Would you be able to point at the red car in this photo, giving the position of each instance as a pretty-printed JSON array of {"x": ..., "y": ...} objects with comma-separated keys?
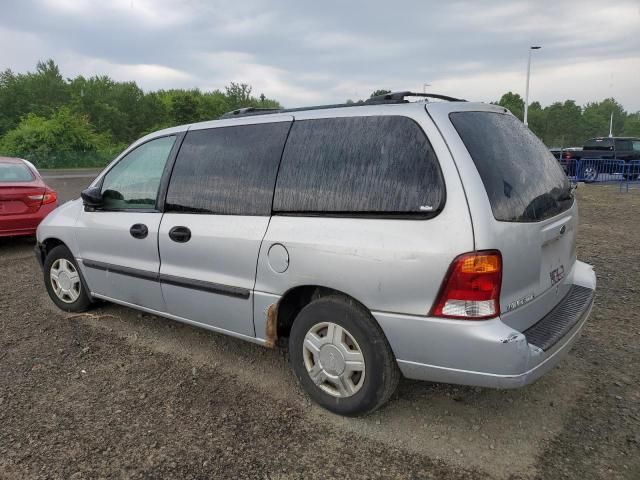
[{"x": 24, "y": 198}]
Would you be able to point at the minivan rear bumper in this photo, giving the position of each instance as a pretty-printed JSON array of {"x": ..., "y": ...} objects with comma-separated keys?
[{"x": 490, "y": 353}]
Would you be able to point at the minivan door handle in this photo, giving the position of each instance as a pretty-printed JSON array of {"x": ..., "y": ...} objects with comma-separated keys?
[
  {"x": 139, "y": 230},
  {"x": 180, "y": 234}
]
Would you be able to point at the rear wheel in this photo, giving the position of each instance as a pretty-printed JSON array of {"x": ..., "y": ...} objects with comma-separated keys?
[
  {"x": 64, "y": 282},
  {"x": 589, "y": 174},
  {"x": 341, "y": 356}
]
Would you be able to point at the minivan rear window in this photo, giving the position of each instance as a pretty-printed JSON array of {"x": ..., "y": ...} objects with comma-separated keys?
[
  {"x": 379, "y": 165},
  {"x": 523, "y": 180}
]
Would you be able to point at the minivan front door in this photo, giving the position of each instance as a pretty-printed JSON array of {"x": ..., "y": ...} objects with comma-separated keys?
[
  {"x": 217, "y": 211},
  {"x": 118, "y": 242}
]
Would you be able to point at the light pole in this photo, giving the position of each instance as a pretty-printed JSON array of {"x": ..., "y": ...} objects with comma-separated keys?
[{"x": 526, "y": 95}]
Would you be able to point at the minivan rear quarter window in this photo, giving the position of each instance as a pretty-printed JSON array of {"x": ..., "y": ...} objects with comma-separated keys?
[
  {"x": 359, "y": 165},
  {"x": 523, "y": 180}
]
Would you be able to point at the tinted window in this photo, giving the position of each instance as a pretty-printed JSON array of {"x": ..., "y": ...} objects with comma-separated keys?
[
  {"x": 524, "y": 182},
  {"x": 228, "y": 170},
  {"x": 359, "y": 165},
  {"x": 624, "y": 145},
  {"x": 636, "y": 145},
  {"x": 15, "y": 172},
  {"x": 133, "y": 182},
  {"x": 599, "y": 144}
]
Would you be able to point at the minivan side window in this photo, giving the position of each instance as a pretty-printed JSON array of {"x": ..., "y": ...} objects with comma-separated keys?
[
  {"x": 227, "y": 170},
  {"x": 133, "y": 182},
  {"x": 359, "y": 165}
]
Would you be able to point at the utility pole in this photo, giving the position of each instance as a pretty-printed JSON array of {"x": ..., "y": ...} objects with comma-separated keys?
[
  {"x": 526, "y": 96},
  {"x": 611, "y": 126}
]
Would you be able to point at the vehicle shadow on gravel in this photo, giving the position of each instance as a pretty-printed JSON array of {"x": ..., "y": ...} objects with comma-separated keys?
[
  {"x": 472, "y": 428},
  {"x": 16, "y": 247}
]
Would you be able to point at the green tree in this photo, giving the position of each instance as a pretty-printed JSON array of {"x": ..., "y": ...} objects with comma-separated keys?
[
  {"x": 514, "y": 103},
  {"x": 63, "y": 138},
  {"x": 537, "y": 119},
  {"x": 213, "y": 104},
  {"x": 632, "y": 125},
  {"x": 238, "y": 95},
  {"x": 184, "y": 107},
  {"x": 563, "y": 124},
  {"x": 377, "y": 93},
  {"x": 40, "y": 92},
  {"x": 597, "y": 115}
]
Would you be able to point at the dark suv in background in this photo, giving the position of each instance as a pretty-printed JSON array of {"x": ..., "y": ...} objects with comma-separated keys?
[{"x": 603, "y": 155}]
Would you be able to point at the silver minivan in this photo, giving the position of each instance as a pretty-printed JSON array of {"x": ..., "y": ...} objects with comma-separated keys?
[{"x": 434, "y": 240}]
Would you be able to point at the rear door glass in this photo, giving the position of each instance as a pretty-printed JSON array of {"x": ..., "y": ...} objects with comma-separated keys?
[
  {"x": 227, "y": 170},
  {"x": 13, "y": 172},
  {"x": 624, "y": 145},
  {"x": 524, "y": 182},
  {"x": 359, "y": 165},
  {"x": 599, "y": 144}
]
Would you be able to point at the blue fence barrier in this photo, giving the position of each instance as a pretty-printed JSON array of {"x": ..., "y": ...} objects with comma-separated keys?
[{"x": 598, "y": 170}]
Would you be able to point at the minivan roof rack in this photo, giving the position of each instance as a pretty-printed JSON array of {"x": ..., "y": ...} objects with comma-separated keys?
[
  {"x": 241, "y": 112},
  {"x": 389, "y": 98},
  {"x": 399, "y": 97}
]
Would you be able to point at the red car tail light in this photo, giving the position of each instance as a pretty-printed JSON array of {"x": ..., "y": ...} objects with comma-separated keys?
[
  {"x": 471, "y": 288},
  {"x": 49, "y": 196}
]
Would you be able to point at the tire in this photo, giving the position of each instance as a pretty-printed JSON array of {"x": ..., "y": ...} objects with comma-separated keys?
[
  {"x": 74, "y": 298},
  {"x": 362, "y": 391},
  {"x": 589, "y": 174}
]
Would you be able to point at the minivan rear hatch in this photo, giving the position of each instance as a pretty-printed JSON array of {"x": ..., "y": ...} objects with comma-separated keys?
[{"x": 522, "y": 204}]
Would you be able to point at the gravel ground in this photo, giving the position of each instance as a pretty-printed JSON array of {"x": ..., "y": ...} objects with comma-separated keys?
[{"x": 116, "y": 393}]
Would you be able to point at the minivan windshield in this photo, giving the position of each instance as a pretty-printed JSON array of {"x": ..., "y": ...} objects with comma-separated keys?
[{"x": 523, "y": 180}]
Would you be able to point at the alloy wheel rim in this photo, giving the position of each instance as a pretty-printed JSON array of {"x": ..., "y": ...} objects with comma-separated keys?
[
  {"x": 333, "y": 359},
  {"x": 65, "y": 280},
  {"x": 590, "y": 173}
]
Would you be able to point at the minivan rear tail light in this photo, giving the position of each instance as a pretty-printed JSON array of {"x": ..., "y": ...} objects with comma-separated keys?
[{"x": 471, "y": 288}]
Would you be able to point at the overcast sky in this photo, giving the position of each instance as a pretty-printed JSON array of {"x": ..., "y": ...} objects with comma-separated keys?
[{"x": 308, "y": 52}]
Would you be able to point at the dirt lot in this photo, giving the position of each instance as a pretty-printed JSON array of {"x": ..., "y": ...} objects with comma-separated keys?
[{"x": 116, "y": 393}]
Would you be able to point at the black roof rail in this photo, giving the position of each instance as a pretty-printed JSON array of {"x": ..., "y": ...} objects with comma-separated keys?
[
  {"x": 243, "y": 112},
  {"x": 393, "y": 97},
  {"x": 399, "y": 97}
]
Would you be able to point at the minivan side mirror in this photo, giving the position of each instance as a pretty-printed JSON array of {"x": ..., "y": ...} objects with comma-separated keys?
[{"x": 92, "y": 197}]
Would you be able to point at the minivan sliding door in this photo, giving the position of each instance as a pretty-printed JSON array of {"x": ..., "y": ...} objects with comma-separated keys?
[{"x": 217, "y": 211}]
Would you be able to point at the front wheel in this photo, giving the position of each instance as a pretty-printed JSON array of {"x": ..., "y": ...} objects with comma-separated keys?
[
  {"x": 341, "y": 357},
  {"x": 63, "y": 281}
]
